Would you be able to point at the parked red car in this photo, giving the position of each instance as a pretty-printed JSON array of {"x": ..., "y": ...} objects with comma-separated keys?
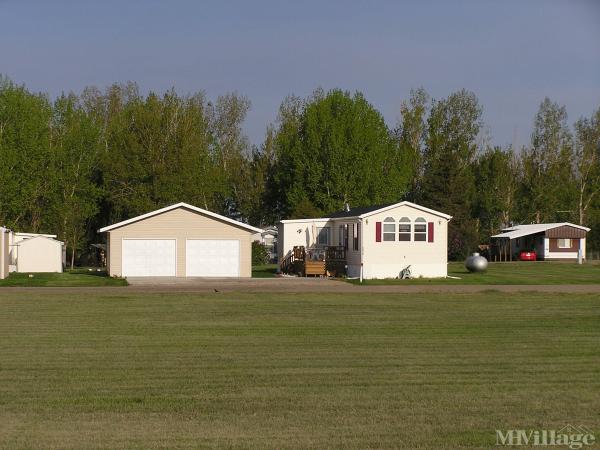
[{"x": 527, "y": 256}]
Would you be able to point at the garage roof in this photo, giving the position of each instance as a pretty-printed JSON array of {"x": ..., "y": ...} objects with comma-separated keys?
[
  {"x": 525, "y": 230},
  {"x": 182, "y": 205}
]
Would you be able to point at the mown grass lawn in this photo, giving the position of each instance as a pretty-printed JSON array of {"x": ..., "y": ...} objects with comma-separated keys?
[
  {"x": 123, "y": 370},
  {"x": 78, "y": 277},
  {"x": 517, "y": 272},
  {"x": 264, "y": 271}
]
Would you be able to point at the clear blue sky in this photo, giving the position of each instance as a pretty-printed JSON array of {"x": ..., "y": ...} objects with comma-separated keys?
[{"x": 510, "y": 53}]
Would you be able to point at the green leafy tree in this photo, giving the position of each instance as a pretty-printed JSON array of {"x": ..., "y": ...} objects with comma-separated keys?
[
  {"x": 587, "y": 175},
  {"x": 336, "y": 149},
  {"x": 448, "y": 182},
  {"x": 232, "y": 151},
  {"x": 252, "y": 183},
  {"x": 24, "y": 157},
  {"x": 548, "y": 189},
  {"x": 497, "y": 175},
  {"x": 411, "y": 134},
  {"x": 160, "y": 151},
  {"x": 75, "y": 161},
  {"x": 286, "y": 144},
  {"x": 587, "y": 163}
]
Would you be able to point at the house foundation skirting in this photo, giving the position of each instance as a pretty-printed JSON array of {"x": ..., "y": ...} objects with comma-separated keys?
[{"x": 425, "y": 270}]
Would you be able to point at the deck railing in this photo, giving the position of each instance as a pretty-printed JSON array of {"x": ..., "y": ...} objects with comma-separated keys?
[
  {"x": 337, "y": 253},
  {"x": 315, "y": 261},
  {"x": 289, "y": 263}
]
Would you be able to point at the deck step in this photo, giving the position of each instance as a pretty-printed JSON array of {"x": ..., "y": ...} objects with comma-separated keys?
[{"x": 314, "y": 268}]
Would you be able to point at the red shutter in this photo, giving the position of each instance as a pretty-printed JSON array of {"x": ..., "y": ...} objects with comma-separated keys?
[
  {"x": 377, "y": 231},
  {"x": 430, "y": 232}
]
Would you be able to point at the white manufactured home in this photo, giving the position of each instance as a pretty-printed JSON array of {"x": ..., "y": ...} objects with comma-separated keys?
[{"x": 372, "y": 242}]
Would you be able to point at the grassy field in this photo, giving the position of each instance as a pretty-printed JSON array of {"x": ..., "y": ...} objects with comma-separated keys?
[
  {"x": 264, "y": 271},
  {"x": 78, "y": 277},
  {"x": 115, "y": 370},
  {"x": 513, "y": 273}
]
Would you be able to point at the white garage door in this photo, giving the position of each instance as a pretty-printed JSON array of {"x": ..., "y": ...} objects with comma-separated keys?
[
  {"x": 212, "y": 258},
  {"x": 149, "y": 257}
]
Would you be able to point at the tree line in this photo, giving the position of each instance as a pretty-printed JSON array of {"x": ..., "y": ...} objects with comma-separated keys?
[{"x": 73, "y": 164}]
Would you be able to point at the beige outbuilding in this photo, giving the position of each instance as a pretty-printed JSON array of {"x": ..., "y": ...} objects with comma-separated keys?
[
  {"x": 180, "y": 240},
  {"x": 30, "y": 252},
  {"x": 34, "y": 252},
  {"x": 38, "y": 253}
]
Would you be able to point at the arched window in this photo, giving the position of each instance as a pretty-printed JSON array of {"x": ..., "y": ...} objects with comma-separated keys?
[
  {"x": 420, "y": 229},
  {"x": 404, "y": 229},
  {"x": 389, "y": 229}
]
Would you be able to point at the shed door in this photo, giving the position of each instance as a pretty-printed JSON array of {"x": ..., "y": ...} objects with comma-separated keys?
[
  {"x": 212, "y": 258},
  {"x": 149, "y": 257}
]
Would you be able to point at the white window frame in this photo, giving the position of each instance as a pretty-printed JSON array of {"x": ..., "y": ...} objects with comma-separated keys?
[
  {"x": 406, "y": 235},
  {"x": 422, "y": 235},
  {"x": 389, "y": 229},
  {"x": 564, "y": 241}
]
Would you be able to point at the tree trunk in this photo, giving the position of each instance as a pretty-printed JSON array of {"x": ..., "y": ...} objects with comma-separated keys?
[
  {"x": 581, "y": 210},
  {"x": 73, "y": 255}
]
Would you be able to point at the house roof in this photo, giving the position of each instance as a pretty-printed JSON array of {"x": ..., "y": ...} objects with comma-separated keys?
[
  {"x": 525, "y": 230},
  {"x": 366, "y": 211},
  {"x": 181, "y": 205},
  {"x": 410, "y": 204},
  {"x": 356, "y": 212},
  {"x": 269, "y": 230}
]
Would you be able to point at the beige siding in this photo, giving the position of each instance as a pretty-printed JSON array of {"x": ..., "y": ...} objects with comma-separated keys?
[
  {"x": 300, "y": 233},
  {"x": 39, "y": 255},
  {"x": 180, "y": 224},
  {"x": 303, "y": 233}
]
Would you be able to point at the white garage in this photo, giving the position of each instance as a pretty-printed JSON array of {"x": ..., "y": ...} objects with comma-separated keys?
[
  {"x": 180, "y": 240},
  {"x": 149, "y": 257}
]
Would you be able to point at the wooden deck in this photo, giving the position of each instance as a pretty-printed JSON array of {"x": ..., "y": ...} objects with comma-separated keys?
[
  {"x": 304, "y": 263},
  {"x": 316, "y": 268}
]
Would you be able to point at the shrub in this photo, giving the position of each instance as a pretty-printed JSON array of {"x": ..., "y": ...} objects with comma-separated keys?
[{"x": 260, "y": 255}]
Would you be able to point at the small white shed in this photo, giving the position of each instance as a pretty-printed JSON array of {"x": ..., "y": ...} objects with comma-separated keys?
[{"x": 36, "y": 253}]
